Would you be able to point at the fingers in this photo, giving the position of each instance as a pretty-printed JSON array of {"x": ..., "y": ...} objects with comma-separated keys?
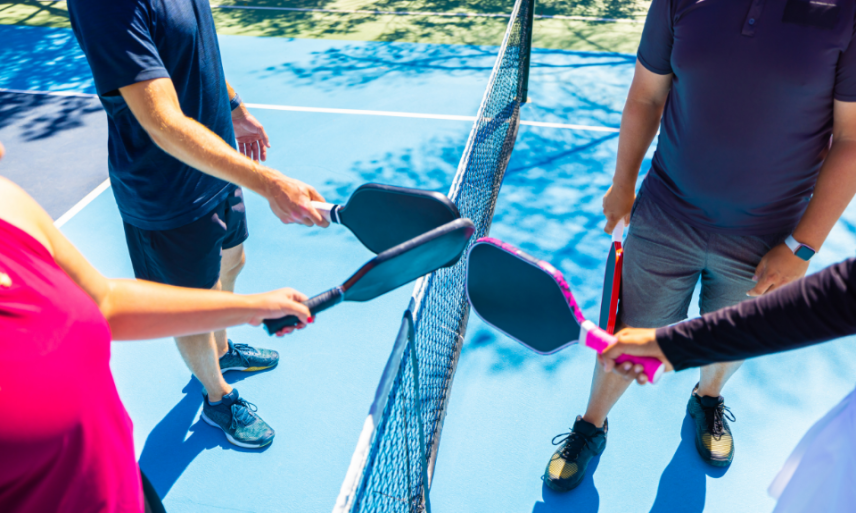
[
  {"x": 265, "y": 140},
  {"x": 297, "y": 296},
  {"x": 316, "y": 217},
  {"x": 315, "y": 196},
  {"x": 299, "y": 310}
]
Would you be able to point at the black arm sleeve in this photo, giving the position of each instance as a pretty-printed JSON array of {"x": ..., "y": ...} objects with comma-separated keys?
[{"x": 814, "y": 309}]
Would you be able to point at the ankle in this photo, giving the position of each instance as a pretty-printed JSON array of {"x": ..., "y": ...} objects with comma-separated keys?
[
  {"x": 597, "y": 421},
  {"x": 709, "y": 391},
  {"x": 216, "y": 397}
]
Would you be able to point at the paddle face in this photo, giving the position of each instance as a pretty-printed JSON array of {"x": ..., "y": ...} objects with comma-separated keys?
[
  {"x": 384, "y": 216},
  {"x": 521, "y": 296},
  {"x": 440, "y": 247}
]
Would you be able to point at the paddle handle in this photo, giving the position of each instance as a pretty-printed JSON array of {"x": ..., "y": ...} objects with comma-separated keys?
[
  {"x": 618, "y": 231},
  {"x": 599, "y": 340},
  {"x": 328, "y": 211},
  {"x": 315, "y": 304}
]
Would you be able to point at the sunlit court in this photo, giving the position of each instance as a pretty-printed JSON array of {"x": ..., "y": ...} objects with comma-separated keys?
[{"x": 414, "y": 401}]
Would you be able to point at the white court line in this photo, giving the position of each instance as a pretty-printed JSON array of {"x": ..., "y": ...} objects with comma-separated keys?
[
  {"x": 358, "y": 112},
  {"x": 82, "y": 203},
  {"x": 421, "y": 13},
  {"x": 422, "y": 116}
]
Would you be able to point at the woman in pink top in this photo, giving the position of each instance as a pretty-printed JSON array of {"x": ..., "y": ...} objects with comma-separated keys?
[{"x": 66, "y": 440}]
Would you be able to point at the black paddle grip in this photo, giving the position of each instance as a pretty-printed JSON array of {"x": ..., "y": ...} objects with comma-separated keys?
[{"x": 315, "y": 304}]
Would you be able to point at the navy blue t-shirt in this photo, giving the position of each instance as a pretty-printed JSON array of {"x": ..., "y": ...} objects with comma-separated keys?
[
  {"x": 129, "y": 41},
  {"x": 748, "y": 119}
]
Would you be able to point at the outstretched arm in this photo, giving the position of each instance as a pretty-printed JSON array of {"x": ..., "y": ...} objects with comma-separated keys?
[
  {"x": 137, "y": 309},
  {"x": 815, "y": 309},
  {"x": 155, "y": 105}
]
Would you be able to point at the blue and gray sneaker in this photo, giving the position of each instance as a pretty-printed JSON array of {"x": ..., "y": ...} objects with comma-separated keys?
[
  {"x": 242, "y": 357},
  {"x": 238, "y": 420}
]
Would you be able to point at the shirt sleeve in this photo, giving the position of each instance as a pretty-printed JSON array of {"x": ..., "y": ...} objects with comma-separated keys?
[
  {"x": 845, "y": 73},
  {"x": 815, "y": 309},
  {"x": 655, "y": 49},
  {"x": 116, "y": 38}
]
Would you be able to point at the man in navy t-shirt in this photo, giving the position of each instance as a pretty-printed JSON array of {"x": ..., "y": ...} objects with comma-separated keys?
[
  {"x": 173, "y": 123},
  {"x": 755, "y": 102}
]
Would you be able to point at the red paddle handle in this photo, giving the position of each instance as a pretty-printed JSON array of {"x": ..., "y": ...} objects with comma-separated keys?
[{"x": 599, "y": 340}]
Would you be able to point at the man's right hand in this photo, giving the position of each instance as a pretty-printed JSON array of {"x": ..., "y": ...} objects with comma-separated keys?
[
  {"x": 617, "y": 204},
  {"x": 290, "y": 200}
]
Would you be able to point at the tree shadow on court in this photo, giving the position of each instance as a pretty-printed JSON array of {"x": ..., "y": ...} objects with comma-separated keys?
[
  {"x": 435, "y": 29},
  {"x": 40, "y": 116},
  {"x": 357, "y": 65},
  {"x": 582, "y": 499},
  {"x": 44, "y": 59},
  {"x": 182, "y": 435},
  {"x": 683, "y": 484}
]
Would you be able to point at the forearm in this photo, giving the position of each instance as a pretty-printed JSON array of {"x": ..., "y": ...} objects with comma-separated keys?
[
  {"x": 835, "y": 187},
  {"x": 192, "y": 143},
  {"x": 639, "y": 124},
  {"x": 817, "y": 308},
  {"x": 138, "y": 310},
  {"x": 155, "y": 105}
]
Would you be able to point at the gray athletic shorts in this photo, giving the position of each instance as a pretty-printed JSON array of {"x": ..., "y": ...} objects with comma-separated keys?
[{"x": 664, "y": 257}]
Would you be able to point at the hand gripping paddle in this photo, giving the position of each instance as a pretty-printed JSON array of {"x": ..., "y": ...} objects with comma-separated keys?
[
  {"x": 383, "y": 216},
  {"x": 440, "y": 247},
  {"x": 529, "y": 300},
  {"x": 612, "y": 281}
]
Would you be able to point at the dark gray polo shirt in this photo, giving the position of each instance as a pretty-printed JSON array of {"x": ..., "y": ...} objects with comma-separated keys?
[{"x": 749, "y": 117}]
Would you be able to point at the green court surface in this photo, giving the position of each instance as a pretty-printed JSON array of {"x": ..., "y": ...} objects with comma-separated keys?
[{"x": 351, "y": 97}]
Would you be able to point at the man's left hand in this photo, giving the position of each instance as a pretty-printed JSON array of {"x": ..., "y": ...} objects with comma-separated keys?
[
  {"x": 778, "y": 267},
  {"x": 250, "y": 134}
]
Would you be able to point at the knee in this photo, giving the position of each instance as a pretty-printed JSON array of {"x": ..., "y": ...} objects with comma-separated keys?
[{"x": 231, "y": 268}]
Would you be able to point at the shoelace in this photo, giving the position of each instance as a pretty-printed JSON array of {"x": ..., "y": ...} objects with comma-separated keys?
[
  {"x": 239, "y": 348},
  {"x": 714, "y": 419},
  {"x": 575, "y": 442},
  {"x": 243, "y": 413}
]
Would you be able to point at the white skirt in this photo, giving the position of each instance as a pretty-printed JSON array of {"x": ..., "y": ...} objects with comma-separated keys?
[{"x": 820, "y": 475}]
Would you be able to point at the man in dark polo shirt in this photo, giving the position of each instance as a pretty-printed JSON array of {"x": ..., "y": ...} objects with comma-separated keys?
[
  {"x": 176, "y": 175},
  {"x": 755, "y": 162}
]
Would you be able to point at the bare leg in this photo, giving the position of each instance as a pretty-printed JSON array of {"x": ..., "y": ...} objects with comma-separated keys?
[
  {"x": 606, "y": 389},
  {"x": 231, "y": 263},
  {"x": 202, "y": 352},
  {"x": 714, "y": 377},
  {"x": 201, "y": 356}
]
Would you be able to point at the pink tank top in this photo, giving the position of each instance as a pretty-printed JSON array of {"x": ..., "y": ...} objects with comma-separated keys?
[{"x": 66, "y": 440}]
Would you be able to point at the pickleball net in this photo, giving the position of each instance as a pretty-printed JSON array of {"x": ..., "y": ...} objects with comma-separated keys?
[{"x": 392, "y": 466}]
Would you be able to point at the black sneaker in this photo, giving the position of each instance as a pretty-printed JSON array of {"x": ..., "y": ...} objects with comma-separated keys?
[
  {"x": 713, "y": 435},
  {"x": 567, "y": 467},
  {"x": 238, "y": 420}
]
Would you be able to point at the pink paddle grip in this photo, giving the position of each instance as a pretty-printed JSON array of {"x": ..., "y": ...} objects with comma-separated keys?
[{"x": 599, "y": 340}]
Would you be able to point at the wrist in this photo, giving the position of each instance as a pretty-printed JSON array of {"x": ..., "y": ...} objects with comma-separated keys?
[
  {"x": 235, "y": 103},
  {"x": 622, "y": 182},
  {"x": 809, "y": 239}
]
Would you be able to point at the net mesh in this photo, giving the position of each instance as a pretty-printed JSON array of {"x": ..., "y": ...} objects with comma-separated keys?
[{"x": 403, "y": 449}]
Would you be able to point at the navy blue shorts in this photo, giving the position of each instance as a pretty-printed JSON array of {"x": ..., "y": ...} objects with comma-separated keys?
[{"x": 189, "y": 256}]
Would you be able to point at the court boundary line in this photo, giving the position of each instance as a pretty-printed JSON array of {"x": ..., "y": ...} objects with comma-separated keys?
[
  {"x": 359, "y": 112},
  {"x": 80, "y": 205}
]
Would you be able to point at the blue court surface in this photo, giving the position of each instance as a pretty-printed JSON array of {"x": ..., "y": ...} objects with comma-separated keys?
[{"x": 506, "y": 403}]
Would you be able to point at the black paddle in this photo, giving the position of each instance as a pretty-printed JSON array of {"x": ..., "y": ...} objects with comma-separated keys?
[
  {"x": 440, "y": 247},
  {"x": 529, "y": 300},
  {"x": 383, "y": 216}
]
